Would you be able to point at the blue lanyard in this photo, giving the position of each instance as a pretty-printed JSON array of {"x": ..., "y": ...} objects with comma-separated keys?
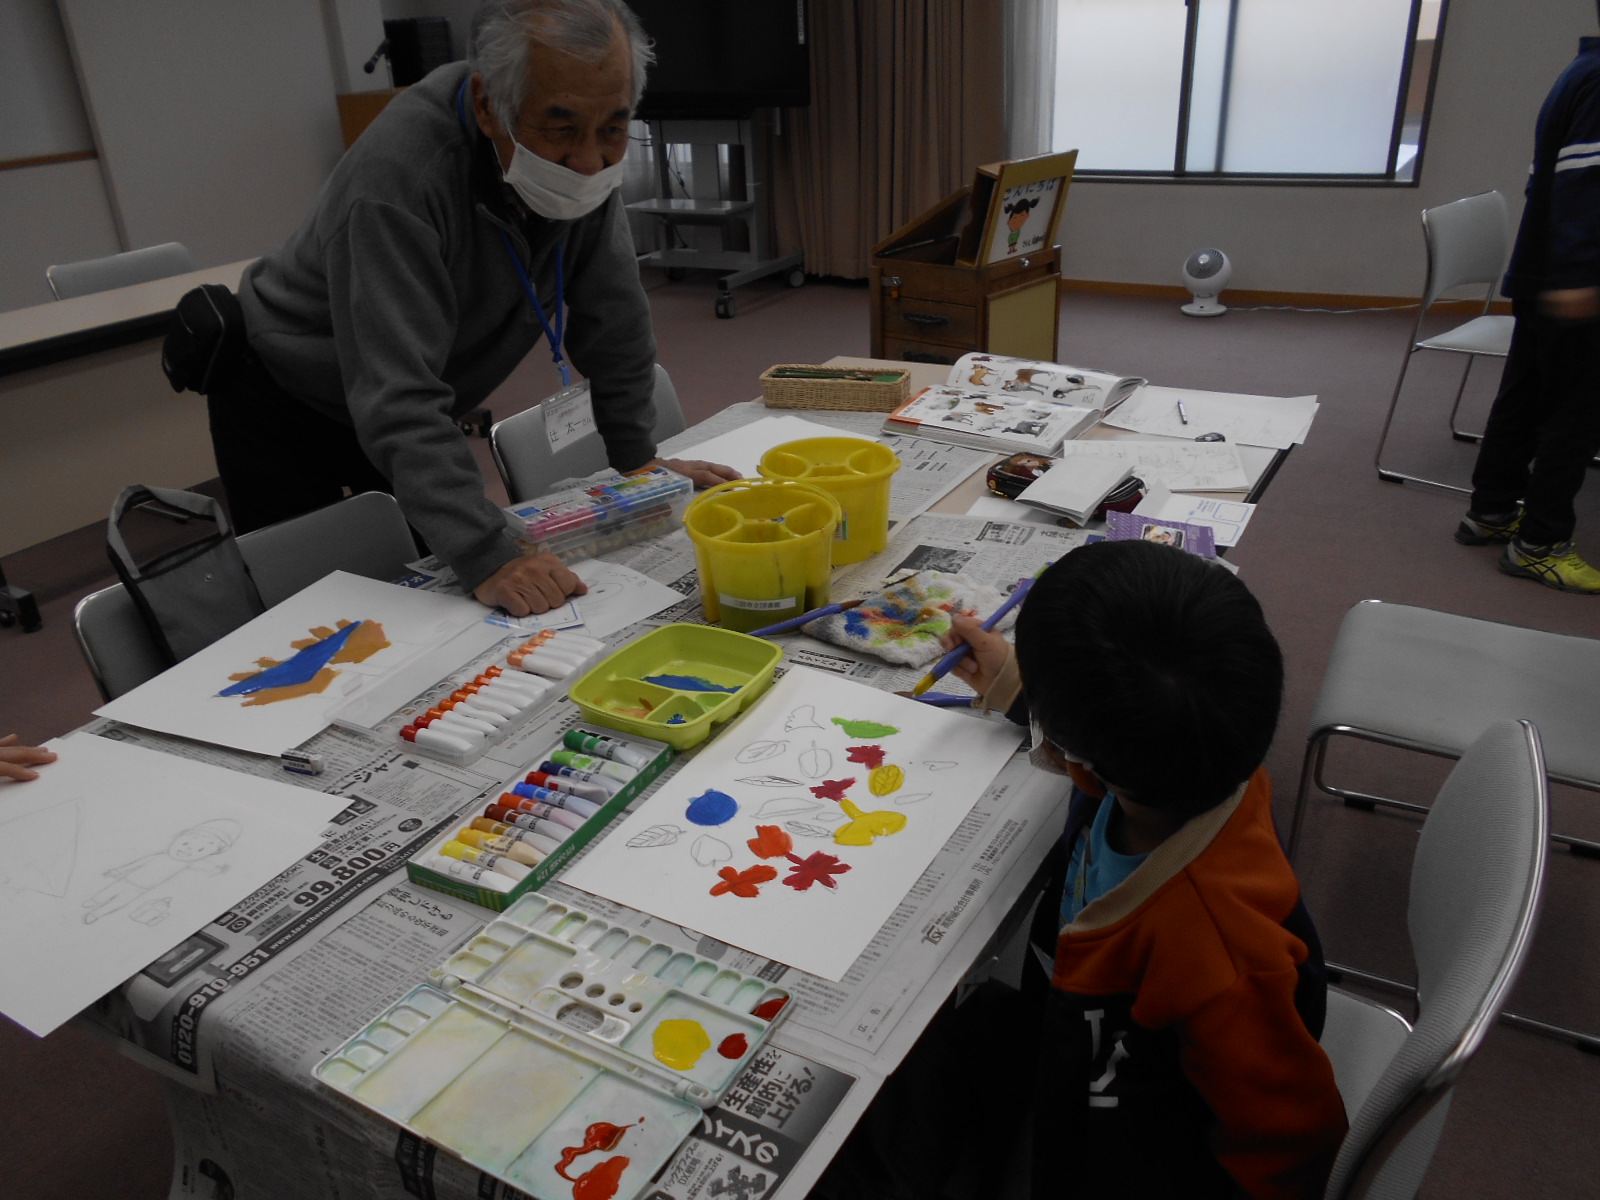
[{"x": 552, "y": 335}]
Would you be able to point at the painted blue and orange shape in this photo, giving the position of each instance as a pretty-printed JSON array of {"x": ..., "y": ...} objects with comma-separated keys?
[{"x": 310, "y": 670}]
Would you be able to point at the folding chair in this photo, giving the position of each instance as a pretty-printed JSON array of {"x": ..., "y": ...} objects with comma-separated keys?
[
  {"x": 365, "y": 535},
  {"x": 1476, "y": 884},
  {"x": 527, "y": 464},
  {"x": 1468, "y": 243},
  {"x": 70, "y": 280},
  {"x": 1418, "y": 679}
]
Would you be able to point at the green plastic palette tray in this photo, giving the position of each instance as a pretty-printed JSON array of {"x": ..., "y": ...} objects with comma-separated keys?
[{"x": 676, "y": 682}]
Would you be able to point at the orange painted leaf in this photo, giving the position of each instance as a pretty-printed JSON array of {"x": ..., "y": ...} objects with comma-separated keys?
[
  {"x": 770, "y": 841},
  {"x": 744, "y": 883}
]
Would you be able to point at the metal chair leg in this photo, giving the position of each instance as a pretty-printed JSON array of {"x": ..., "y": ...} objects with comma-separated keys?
[
  {"x": 1392, "y": 476},
  {"x": 1462, "y": 435}
]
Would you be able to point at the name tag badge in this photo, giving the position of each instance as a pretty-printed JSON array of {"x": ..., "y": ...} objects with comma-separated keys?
[{"x": 568, "y": 416}]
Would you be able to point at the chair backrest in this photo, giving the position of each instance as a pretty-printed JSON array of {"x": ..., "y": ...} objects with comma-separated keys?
[
  {"x": 1476, "y": 883},
  {"x": 1468, "y": 242},
  {"x": 119, "y": 270},
  {"x": 528, "y": 466},
  {"x": 365, "y": 535}
]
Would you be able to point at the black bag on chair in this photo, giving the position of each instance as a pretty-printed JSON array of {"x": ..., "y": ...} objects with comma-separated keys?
[
  {"x": 206, "y": 340},
  {"x": 191, "y": 596}
]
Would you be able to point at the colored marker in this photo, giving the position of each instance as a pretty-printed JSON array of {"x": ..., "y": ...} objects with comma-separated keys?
[
  {"x": 513, "y": 849},
  {"x": 611, "y": 785},
  {"x": 598, "y": 766},
  {"x": 595, "y": 743},
  {"x": 568, "y": 818},
  {"x": 477, "y": 699},
  {"x": 456, "y": 869},
  {"x": 505, "y": 693},
  {"x": 493, "y": 862},
  {"x": 555, "y": 799},
  {"x": 560, "y": 783},
  {"x": 448, "y": 711},
  {"x": 581, "y": 641}
]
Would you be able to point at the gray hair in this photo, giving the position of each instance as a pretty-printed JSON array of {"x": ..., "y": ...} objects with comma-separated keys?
[{"x": 502, "y": 30}]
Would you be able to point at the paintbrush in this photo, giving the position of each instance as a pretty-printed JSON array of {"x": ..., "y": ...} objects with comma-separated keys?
[
  {"x": 947, "y": 664},
  {"x": 826, "y": 610}
]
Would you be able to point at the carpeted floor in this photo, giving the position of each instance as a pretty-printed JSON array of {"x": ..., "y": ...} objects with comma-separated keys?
[{"x": 80, "y": 1120}]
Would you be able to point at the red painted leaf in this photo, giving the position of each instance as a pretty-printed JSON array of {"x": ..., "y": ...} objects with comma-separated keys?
[
  {"x": 832, "y": 789},
  {"x": 743, "y": 883},
  {"x": 820, "y": 868},
  {"x": 770, "y": 841},
  {"x": 868, "y": 756}
]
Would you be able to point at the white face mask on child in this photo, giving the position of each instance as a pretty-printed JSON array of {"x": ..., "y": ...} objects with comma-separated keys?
[
  {"x": 1043, "y": 752},
  {"x": 555, "y": 192}
]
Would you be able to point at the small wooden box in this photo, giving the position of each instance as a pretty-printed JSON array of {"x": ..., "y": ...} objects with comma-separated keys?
[
  {"x": 927, "y": 307},
  {"x": 839, "y": 388}
]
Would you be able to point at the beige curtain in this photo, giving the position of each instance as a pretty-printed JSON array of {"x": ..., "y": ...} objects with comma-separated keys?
[{"x": 907, "y": 99}]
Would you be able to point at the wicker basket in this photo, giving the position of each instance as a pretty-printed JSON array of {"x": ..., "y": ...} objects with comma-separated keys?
[{"x": 838, "y": 390}]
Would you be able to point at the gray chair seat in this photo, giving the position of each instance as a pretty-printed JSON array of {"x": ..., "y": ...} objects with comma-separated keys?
[{"x": 1481, "y": 335}]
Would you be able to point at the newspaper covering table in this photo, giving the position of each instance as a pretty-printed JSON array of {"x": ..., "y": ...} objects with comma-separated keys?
[{"x": 242, "y": 1009}]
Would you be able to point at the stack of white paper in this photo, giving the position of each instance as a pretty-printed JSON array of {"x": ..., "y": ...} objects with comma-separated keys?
[{"x": 1074, "y": 486}]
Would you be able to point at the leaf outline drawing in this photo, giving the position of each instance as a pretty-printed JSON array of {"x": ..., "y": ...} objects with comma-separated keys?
[
  {"x": 770, "y": 781},
  {"x": 803, "y": 717},
  {"x": 806, "y": 830},
  {"x": 940, "y": 764},
  {"x": 815, "y": 762},
  {"x": 912, "y": 797},
  {"x": 787, "y": 806},
  {"x": 709, "y": 851},
  {"x": 760, "y": 751},
  {"x": 656, "y": 835}
]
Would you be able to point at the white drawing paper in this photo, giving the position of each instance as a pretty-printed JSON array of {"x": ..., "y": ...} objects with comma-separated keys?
[
  {"x": 998, "y": 508},
  {"x": 618, "y": 596},
  {"x": 115, "y": 854},
  {"x": 1276, "y": 421},
  {"x": 383, "y": 626},
  {"x": 1180, "y": 466},
  {"x": 809, "y": 831},
  {"x": 742, "y": 448}
]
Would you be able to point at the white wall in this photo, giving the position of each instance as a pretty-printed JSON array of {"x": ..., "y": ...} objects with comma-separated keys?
[
  {"x": 56, "y": 213},
  {"x": 1498, "y": 61}
]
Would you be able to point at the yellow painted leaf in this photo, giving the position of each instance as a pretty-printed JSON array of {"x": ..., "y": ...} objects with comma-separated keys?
[{"x": 886, "y": 779}]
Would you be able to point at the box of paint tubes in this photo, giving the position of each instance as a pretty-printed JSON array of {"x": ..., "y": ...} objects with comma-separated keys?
[
  {"x": 559, "y": 1053},
  {"x": 540, "y": 818},
  {"x": 606, "y": 515},
  {"x": 455, "y": 710}
]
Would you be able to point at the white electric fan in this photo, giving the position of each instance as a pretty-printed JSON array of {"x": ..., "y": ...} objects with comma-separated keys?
[{"x": 1205, "y": 274}]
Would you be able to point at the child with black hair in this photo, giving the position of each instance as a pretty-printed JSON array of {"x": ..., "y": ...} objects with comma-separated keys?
[{"x": 1179, "y": 1050}]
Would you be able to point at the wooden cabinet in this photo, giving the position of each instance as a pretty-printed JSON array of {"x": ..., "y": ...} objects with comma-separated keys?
[{"x": 927, "y": 307}]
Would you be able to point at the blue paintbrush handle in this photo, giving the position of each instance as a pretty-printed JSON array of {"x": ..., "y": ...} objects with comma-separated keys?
[
  {"x": 947, "y": 664},
  {"x": 795, "y": 622}
]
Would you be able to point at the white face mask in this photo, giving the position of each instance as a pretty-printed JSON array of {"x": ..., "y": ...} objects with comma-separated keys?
[
  {"x": 1040, "y": 757},
  {"x": 555, "y": 192}
]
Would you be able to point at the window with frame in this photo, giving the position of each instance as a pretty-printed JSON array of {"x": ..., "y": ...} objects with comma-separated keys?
[{"x": 1305, "y": 90}]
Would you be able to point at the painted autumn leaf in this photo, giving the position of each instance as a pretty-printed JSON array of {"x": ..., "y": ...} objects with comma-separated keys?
[
  {"x": 746, "y": 883},
  {"x": 770, "y": 842},
  {"x": 819, "y": 867},
  {"x": 833, "y": 789},
  {"x": 865, "y": 826},
  {"x": 864, "y": 729},
  {"x": 868, "y": 756},
  {"x": 886, "y": 780}
]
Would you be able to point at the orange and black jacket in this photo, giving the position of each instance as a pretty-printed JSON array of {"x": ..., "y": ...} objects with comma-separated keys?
[{"x": 1181, "y": 1054}]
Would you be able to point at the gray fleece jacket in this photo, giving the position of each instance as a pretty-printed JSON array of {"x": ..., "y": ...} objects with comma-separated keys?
[{"x": 395, "y": 308}]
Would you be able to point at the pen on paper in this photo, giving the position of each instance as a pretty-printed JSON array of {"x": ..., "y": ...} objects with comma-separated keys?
[{"x": 1182, "y": 415}]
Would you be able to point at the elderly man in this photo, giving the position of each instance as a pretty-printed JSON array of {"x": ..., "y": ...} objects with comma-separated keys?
[{"x": 477, "y": 214}]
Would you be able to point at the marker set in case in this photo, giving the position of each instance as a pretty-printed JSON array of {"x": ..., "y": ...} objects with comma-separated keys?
[{"x": 559, "y": 1053}]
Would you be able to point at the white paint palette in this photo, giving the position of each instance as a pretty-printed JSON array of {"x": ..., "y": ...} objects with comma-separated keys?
[{"x": 560, "y": 1053}]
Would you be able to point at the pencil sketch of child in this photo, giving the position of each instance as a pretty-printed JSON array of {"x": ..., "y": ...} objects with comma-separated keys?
[{"x": 187, "y": 852}]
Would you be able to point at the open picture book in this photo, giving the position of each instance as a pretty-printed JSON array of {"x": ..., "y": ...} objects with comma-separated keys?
[{"x": 1007, "y": 404}]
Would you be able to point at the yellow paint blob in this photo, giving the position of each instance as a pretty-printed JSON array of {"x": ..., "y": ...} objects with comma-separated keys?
[
  {"x": 317, "y": 683},
  {"x": 865, "y": 826},
  {"x": 680, "y": 1043}
]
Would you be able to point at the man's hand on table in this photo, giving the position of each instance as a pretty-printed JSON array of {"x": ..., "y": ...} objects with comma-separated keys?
[
  {"x": 703, "y": 474},
  {"x": 534, "y": 583}
]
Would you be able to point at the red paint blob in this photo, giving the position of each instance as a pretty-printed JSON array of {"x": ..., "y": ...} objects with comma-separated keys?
[
  {"x": 602, "y": 1135},
  {"x": 733, "y": 1046},
  {"x": 768, "y": 1009},
  {"x": 600, "y": 1183}
]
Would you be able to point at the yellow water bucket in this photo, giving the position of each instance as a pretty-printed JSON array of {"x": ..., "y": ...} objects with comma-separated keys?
[
  {"x": 855, "y": 472},
  {"x": 762, "y": 547}
]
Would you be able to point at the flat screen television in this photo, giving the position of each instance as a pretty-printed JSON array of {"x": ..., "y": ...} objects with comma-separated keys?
[{"x": 722, "y": 58}]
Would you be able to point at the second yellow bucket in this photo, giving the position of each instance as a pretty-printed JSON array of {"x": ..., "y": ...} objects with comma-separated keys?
[
  {"x": 762, "y": 547},
  {"x": 855, "y": 472}
]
